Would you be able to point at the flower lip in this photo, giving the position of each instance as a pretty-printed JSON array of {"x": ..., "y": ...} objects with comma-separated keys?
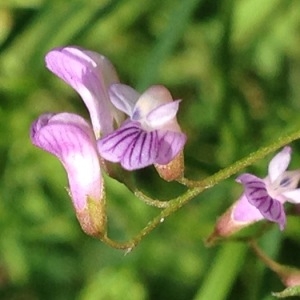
[{"x": 130, "y": 145}]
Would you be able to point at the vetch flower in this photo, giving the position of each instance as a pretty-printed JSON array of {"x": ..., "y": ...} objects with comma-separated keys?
[
  {"x": 150, "y": 136},
  {"x": 90, "y": 74},
  {"x": 268, "y": 195},
  {"x": 70, "y": 138},
  {"x": 263, "y": 198}
]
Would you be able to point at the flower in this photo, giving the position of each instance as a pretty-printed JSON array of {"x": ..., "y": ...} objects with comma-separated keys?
[
  {"x": 267, "y": 196},
  {"x": 151, "y": 135},
  {"x": 70, "y": 138},
  {"x": 262, "y": 198},
  {"x": 90, "y": 74}
]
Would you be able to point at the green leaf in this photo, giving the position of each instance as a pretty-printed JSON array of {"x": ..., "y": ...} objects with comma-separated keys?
[{"x": 223, "y": 272}]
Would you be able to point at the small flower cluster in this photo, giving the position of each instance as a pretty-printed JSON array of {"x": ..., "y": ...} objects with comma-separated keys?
[
  {"x": 149, "y": 135},
  {"x": 138, "y": 130}
]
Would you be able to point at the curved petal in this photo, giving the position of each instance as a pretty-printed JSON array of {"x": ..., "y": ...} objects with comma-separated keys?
[
  {"x": 70, "y": 138},
  {"x": 90, "y": 74},
  {"x": 257, "y": 195},
  {"x": 279, "y": 163},
  {"x": 162, "y": 114},
  {"x": 170, "y": 143},
  {"x": 153, "y": 97},
  {"x": 123, "y": 97},
  {"x": 133, "y": 147}
]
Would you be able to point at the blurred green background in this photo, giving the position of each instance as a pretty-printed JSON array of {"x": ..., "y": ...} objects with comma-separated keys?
[{"x": 235, "y": 64}]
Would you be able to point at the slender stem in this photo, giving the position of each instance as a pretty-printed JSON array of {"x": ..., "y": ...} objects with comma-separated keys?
[
  {"x": 175, "y": 204},
  {"x": 128, "y": 246},
  {"x": 196, "y": 187},
  {"x": 149, "y": 201},
  {"x": 274, "y": 266},
  {"x": 242, "y": 163}
]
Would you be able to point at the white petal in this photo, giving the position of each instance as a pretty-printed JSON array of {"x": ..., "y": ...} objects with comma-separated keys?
[
  {"x": 162, "y": 114},
  {"x": 123, "y": 97},
  {"x": 279, "y": 163},
  {"x": 153, "y": 97},
  {"x": 293, "y": 196}
]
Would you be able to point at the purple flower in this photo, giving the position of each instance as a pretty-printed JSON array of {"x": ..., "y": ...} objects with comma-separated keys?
[
  {"x": 151, "y": 135},
  {"x": 90, "y": 74},
  {"x": 71, "y": 139},
  {"x": 264, "y": 198}
]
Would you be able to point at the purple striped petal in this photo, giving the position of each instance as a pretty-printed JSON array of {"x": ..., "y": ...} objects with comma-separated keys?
[
  {"x": 169, "y": 145},
  {"x": 257, "y": 195},
  {"x": 90, "y": 74},
  {"x": 113, "y": 146},
  {"x": 130, "y": 145},
  {"x": 142, "y": 153},
  {"x": 70, "y": 138}
]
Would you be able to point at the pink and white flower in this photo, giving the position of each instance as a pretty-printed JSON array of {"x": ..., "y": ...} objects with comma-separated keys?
[{"x": 151, "y": 135}]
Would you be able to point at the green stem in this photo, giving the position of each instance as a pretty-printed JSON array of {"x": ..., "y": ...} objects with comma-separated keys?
[
  {"x": 242, "y": 163},
  {"x": 149, "y": 201},
  {"x": 196, "y": 187}
]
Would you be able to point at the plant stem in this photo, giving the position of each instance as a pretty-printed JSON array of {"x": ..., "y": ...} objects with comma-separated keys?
[{"x": 242, "y": 163}]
